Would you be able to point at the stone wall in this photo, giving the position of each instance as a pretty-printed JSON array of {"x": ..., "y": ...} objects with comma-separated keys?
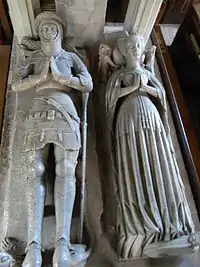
[{"x": 85, "y": 19}]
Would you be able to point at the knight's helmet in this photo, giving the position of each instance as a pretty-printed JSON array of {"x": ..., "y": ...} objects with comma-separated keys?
[{"x": 46, "y": 17}]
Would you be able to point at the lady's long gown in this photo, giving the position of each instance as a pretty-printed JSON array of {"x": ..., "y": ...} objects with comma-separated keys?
[{"x": 153, "y": 206}]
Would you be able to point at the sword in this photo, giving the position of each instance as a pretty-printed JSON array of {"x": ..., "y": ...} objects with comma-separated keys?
[{"x": 85, "y": 97}]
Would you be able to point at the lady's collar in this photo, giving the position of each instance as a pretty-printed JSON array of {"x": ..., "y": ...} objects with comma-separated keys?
[{"x": 137, "y": 70}]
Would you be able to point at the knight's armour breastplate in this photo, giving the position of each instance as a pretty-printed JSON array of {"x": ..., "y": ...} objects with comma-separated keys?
[{"x": 63, "y": 61}]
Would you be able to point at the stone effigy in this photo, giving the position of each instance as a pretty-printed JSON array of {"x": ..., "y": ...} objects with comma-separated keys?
[
  {"x": 151, "y": 216},
  {"x": 23, "y": 136},
  {"x": 46, "y": 120}
]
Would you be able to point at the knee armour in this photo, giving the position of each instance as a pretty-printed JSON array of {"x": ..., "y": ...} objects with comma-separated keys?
[
  {"x": 65, "y": 168},
  {"x": 36, "y": 167},
  {"x": 39, "y": 168}
]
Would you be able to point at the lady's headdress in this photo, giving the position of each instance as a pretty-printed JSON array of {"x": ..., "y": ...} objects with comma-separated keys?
[{"x": 122, "y": 42}]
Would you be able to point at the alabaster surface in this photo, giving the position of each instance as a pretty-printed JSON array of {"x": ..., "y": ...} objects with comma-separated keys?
[
  {"x": 85, "y": 19},
  {"x": 45, "y": 140},
  {"x": 99, "y": 231},
  {"x": 143, "y": 175}
]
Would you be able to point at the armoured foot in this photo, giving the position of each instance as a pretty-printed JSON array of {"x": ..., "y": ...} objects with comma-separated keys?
[
  {"x": 33, "y": 256},
  {"x": 62, "y": 257}
]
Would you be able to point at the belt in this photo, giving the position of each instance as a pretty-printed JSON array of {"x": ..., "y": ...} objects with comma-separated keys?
[{"x": 50, "y": 115}]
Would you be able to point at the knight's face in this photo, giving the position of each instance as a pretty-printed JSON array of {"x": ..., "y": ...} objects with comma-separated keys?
[{"x": 49, "y": 31}]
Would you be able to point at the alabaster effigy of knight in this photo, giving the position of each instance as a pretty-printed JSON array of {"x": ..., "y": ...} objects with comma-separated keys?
[{"x": 52, "y": 76}]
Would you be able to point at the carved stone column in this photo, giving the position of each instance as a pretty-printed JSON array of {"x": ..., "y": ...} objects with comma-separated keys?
[
  {"x": 36, "y": 6},
  {"x": 141, "y": 16},
  {"x": 22, "y": 17},
  {"x": 31, "y": 5}
]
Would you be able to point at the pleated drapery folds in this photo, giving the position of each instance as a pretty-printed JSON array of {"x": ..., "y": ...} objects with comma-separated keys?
[{"x": 153, "y": 205}]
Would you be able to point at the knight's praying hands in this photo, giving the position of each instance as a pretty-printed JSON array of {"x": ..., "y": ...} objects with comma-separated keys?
[{"x": 58, "y": 76}]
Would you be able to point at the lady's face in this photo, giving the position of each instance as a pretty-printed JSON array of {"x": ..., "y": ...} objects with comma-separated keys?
[
  {"x": 134, "y": 48},
  {"x": 49, "y": 31}
]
